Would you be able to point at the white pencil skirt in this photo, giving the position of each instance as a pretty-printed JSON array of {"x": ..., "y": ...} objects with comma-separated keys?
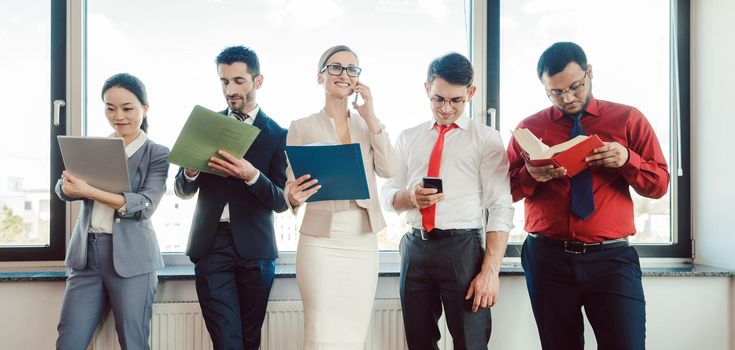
[{"x": 337, "y": 277}]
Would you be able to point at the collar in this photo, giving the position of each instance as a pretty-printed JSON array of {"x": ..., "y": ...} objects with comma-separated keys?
[
  {"x": 462, "y": 122},
  {"x": 134, "y": 146},
  {"x": 591, "y": 110}
]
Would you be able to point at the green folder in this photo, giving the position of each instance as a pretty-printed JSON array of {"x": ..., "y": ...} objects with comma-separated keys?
[{"x": 207, "y": 132}]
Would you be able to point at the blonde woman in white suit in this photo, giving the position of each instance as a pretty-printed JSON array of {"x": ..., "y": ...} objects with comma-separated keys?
[{"x": 337, "y": 254}]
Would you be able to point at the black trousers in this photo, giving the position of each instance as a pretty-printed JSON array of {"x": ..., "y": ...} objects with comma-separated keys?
[
  {"x": 233, "y": 294},
  {"x": 436, "y": 273},
  {"x": 606, "y": 283}
]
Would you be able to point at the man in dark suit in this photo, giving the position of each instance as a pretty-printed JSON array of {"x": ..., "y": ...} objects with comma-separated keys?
[{"x": 232, "y": 242}]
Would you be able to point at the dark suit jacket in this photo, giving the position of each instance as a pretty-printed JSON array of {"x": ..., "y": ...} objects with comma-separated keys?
[{"x": 251, "y": 207}]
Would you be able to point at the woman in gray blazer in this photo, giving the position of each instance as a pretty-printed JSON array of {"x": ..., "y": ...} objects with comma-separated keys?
[
  {"x": 337, "y": 254},
  {"x": 113, "y": 252}
]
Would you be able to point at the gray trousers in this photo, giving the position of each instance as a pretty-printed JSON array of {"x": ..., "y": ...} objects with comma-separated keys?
[{"x": 90, "y": 292}]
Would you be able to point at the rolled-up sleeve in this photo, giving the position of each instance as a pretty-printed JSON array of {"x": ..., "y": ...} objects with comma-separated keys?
[
  {"x": 496, "y": 196},
  {"x": 398, "y": 182}
]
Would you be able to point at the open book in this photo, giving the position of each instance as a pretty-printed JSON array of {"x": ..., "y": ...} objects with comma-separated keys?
[{"x": 569, "y": 154}]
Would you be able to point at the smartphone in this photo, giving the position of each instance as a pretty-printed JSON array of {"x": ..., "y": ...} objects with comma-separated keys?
[
  {"x": 355, "y": 92},
  {"x": 433, "y": 182}
]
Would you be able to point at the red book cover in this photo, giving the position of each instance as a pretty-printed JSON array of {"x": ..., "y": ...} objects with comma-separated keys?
[
  {"x": 573, "y": 158},
  {"x": 569, "y": 154}
]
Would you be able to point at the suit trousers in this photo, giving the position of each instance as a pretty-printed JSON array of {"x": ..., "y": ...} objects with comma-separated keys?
[
  {"x": 606, "y": 283},
  {"x": 233, "y": 293},
  {"x": 90, "y": 292},
  {"x": 437, "y": 273}
]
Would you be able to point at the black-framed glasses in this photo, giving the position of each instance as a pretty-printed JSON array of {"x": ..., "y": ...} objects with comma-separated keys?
[
  {"x": 336, "y": 69},
  {"x": 455, "y": 102},
  {"x": 573, "y": 89}
]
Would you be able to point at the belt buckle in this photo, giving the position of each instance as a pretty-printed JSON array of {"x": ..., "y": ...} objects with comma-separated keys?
[
  {"x": 424, "y": 237},
  {"x": 574, "y": 247}
]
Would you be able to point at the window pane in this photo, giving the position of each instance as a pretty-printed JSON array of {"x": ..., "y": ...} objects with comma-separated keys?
[
  {"x": 627, "y": 43},
  {"x": 24, "y": 141},
  {"x": 395, "y": 41}
]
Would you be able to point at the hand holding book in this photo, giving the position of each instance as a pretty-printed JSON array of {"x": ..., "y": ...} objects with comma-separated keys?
[{"x": 570, "y": 154}]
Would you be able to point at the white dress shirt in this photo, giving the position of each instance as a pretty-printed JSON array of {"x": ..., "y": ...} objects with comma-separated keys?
[
  {"x": 474, "y": 172},
  {"x": 249, "y": 120},
  {"x": 102, "y": 215}
]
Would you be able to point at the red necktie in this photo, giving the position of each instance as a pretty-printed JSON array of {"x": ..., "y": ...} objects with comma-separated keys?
[{"x": 428, "y": 214}]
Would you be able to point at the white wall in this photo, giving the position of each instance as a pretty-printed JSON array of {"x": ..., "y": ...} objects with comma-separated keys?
[
  {"x": 683, "y": 313},
  {"x": 713, "y": 127}
]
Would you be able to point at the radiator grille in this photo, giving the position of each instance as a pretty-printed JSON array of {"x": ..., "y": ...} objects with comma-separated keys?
[{"x": 180, "y": 326}]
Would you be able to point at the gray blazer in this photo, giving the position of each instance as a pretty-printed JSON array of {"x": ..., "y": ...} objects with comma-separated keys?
[{"x": 134, "y": 244}]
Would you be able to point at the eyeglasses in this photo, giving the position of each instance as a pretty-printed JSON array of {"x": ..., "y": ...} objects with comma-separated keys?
[
  {"x": 455, "y": 102},
  {"x": 336, "y": 69},
  {"x": 573, "y": 89}
]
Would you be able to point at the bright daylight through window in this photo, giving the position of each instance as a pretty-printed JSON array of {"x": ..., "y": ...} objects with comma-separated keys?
[
  {"x": 630, "y": 60},
  {"x": 395, "y": 41}
]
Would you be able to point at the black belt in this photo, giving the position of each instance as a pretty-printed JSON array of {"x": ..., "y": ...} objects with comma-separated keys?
[
  {"x": 576, "y": 247},
  {"x": 439, "y": 234}
]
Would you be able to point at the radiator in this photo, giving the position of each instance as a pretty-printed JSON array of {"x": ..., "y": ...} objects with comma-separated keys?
[{"x": 179, "y": 326}]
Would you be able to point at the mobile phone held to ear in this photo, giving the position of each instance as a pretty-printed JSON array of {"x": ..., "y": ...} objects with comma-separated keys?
[{"x": 433, "y": 182}]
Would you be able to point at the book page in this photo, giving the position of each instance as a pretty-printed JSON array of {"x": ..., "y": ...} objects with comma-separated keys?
[
  {"x": 530, "y": 144},
  {"x": 565, "y": 145},
  {"x": 537, "y": 149}
]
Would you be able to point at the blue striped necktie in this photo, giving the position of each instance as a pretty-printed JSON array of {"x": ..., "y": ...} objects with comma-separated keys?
[{"x": 580, "y": 188}]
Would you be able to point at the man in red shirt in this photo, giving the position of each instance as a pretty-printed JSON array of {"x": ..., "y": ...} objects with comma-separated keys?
[{"x": 577, "y": 252}]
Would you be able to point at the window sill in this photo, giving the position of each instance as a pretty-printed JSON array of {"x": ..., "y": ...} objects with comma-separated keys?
[{"x": 37, "y": 274}]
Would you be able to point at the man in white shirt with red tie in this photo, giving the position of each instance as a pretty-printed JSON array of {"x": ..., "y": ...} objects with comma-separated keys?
[{"x": 443, "y": 260}]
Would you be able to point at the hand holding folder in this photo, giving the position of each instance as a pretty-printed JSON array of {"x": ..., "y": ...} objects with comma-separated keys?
[
  {"x": 338, "y": 168},
  {"x": 204, "y": 134},
  {"x": 570, "y": 154}
]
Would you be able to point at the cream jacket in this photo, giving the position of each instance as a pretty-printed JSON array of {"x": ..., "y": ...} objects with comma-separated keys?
[{"x": 378, "y": 156}]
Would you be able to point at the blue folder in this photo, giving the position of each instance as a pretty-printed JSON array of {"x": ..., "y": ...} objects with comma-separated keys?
[{"x": 338, "y": 168}]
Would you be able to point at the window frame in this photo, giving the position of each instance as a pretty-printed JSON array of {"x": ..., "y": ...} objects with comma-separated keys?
[
  {"x": 56, "y": 248},
  {"x": 682, "y": 244},
  {"x": 68, "y": 54}
]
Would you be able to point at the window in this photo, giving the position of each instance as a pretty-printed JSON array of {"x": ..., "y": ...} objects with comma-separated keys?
[
  {"x": 632, "y": 47},
  {"x": 395, "y": 41},
  {"x": 33, "y": 64}
]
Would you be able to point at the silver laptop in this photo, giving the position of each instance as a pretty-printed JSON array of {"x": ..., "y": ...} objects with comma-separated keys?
[{"x": 100, "y": 161}]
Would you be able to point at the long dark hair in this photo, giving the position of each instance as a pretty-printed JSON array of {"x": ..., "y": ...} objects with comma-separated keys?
[{"x": 133, "y": 84}]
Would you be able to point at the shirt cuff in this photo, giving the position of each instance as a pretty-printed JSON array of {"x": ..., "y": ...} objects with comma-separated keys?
[
  {"x": 500, "y": 219},
  {"x": 525, "y": 179},
  {"x": 387, "y": 199},
  {"x": 123, "y": 210},
  {"x": 632, "y": 165},
  {"x": 254, "y": 179},
  {"x": 190, "y": 178}
]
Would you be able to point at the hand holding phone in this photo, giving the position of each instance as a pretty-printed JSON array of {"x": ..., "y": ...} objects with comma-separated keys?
[{"x": 433, "y": 182}]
